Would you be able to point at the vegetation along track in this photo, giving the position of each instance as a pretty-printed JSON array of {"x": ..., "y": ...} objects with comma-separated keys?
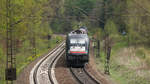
[
  {"x": 82, "y": 76},
  {"x": 43, "y": 71}
]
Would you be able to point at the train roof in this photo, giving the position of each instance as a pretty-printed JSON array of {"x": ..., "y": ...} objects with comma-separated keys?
[
  {"x": 83, "y": 27},
  {"x": 79, "y": 31}
]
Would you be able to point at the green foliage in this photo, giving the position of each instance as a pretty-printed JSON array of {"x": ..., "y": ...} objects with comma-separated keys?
[
  {"x": 111, "y": 28},
  {"x": 85, "y": 5},
  {"x": 29, "y": 20},
  {"x": 138, "y": 26},
  {"x": 2, "y": 65},
  {"x": 78, "y": 8},
  {"x": 1, "y": 52}
]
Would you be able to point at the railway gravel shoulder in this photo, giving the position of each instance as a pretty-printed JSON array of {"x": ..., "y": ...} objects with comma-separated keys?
[{"x": 62, "y": 72}]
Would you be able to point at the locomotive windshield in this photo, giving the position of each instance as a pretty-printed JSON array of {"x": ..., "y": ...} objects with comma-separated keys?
[
  {"x": 77, "y": 45},
  {"x": 77, "y": 42}
]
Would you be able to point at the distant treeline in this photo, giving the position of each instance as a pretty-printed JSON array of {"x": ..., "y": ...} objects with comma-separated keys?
[{"x": 109, "y": 17}]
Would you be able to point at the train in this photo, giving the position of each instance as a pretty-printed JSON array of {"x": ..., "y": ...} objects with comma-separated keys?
[{"x": 77, "y": 48}]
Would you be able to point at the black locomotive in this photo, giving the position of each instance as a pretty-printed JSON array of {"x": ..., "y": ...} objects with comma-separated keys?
[{"x": 77, "y": 48}]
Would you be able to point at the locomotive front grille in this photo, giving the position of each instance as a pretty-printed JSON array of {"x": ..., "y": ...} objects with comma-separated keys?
[{"x": 78, "y": 58}]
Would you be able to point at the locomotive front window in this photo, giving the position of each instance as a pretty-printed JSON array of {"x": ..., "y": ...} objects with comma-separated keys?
[
  {"x": 77, "y": 42},
  {"x": 77, "y": 45}
]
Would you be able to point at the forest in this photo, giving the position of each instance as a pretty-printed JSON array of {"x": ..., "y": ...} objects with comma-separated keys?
[{"x": 125, "y": 23}]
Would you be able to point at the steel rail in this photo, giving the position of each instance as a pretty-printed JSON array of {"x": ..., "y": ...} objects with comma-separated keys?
[
  {"x": 53, "y": 81},
  {"x": 43, "y": 59},
  {"x": 85, "y": 73},
  {"x": 96, "y": 81}
]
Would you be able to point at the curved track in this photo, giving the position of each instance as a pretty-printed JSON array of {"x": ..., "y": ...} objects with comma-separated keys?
[
  {"x": 82, "y": 76},
  {"x": 43, "y": 71}
]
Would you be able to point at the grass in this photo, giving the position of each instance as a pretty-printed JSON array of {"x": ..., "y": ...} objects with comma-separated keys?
[
  {"x": 24, "y": 57},
  {"x": 140, "y": 53},
  {"x": 127, "y": 64},
  {"x": 144, "y": 53}
]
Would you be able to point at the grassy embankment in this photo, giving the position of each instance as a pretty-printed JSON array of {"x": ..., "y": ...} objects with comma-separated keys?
[
  {"x": 25, "y": 56},
  {"x": 128, "y": 65}
]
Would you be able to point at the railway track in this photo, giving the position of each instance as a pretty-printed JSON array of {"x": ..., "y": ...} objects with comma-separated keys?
[
  {"x": 43, "y": 71},
  {"x": 82, "y": 76}
]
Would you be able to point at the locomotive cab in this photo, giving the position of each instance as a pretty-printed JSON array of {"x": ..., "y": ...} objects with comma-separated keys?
[{"x": 77, "y": 49}]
